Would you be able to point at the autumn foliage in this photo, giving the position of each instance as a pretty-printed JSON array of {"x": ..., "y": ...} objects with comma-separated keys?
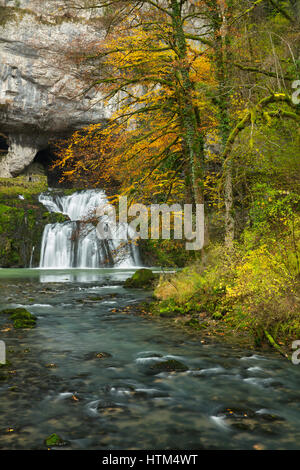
[{"x": 142, "y": 150}]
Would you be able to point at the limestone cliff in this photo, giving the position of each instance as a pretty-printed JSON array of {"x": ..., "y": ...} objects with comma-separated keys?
[{"x": 40, "y": 97}]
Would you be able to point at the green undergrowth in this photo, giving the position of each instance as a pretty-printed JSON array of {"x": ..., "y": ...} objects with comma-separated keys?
[
  {"x": 251, "y": 291},
  {"x": 11, "y": 188},
  {"x": 165, "y": 253}
]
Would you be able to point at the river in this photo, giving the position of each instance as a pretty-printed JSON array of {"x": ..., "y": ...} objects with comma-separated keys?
[{"x": 61, "y": 382}]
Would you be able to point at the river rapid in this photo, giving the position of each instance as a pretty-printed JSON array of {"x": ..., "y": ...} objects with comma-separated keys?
[{"x": 85, "y": 373}]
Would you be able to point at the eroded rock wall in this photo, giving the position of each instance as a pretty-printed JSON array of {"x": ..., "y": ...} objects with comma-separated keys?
[{"x": 39, "y": 95}]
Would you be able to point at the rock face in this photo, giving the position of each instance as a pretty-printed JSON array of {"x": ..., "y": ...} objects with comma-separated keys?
[
  {"x": 39, "y": 93},
  {"x": 23, "y": 219}
]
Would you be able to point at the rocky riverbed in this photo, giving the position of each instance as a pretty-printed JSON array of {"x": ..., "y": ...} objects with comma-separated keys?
[{"x": 90, "y": 376}]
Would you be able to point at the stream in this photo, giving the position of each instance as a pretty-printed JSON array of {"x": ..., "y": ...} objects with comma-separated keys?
[{"x": 61, "y": 381}]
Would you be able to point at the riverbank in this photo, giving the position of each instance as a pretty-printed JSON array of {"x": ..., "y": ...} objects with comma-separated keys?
[
  {"x": 244, "y": 297},
  {"x": 205, "y": 330},
  {"x": 246, "y": 291}
]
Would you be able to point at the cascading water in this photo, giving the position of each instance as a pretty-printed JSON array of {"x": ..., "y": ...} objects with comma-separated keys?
[
  {"x": 74, "y": 243},
  {"x": 31, "y": 257}
]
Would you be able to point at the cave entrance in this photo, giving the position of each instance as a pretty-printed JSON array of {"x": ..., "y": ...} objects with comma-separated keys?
[
  {"x": 3, "y": 144},
  {"x": 45, "y": 159}
]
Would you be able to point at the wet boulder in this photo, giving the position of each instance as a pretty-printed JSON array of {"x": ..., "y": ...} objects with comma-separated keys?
[
  {"x": 247, "y": 420},
  {"x": 169, "y": 365}
]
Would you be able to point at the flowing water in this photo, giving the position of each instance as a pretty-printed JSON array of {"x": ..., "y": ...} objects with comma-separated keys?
[
  {"x": 59, "y": 382},
  {"x": 75, "y": 243}
]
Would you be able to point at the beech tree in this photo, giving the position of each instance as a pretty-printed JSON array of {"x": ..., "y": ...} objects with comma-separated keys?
[
  {"x": 152, "y": 70},
  {"x": 174, "y": 70}
]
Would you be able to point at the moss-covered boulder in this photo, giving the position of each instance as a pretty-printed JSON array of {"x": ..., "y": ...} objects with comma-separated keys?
[
  {"x": 21, "y": 317},
  {"x": 55, "y": 440},
  {"x": 143, "y": 278}
]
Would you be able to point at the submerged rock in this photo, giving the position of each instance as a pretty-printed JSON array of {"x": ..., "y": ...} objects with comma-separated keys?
[
  {"x": 143, "y": 278},
  {"x": 108, "y": 408},
  {"x": 170, "y": 365},
  {"x": 96, "y": 355},
  {"x": 238, "y": 413},
  {"x": 247, "y": 420},
  {"x": 51, "y": 366},
  {"x": 21, "y": 317}
]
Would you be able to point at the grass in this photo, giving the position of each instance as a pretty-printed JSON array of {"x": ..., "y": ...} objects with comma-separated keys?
[{"x": 11, "y": 188}]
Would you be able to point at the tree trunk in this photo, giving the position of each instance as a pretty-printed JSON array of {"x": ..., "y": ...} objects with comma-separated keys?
[
  {"x": 220, "y": 13},
  {"x": 194, "y": 141}
]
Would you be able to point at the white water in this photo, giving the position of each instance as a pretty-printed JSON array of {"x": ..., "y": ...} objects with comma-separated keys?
[
  {"x": 75, "y": 244},
  {"x": 31, "y": 256}
]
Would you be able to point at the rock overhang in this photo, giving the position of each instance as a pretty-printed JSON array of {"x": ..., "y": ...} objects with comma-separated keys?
[{"x": 40, "y": 97}]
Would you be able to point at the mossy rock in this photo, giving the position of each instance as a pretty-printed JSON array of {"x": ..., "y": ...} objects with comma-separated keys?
[
  {"x": 55, "y": 440},
  {"x": 170, "y": 365},
  {"x": 143, "y": 278},
  {"x": 21, "y": 317},
  {"x": 24, "y": 324},
  {"x": 55, "y": 217}
]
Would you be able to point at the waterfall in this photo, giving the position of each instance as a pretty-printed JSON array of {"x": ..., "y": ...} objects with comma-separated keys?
[
  {"x": 31, "y": 257},
  {"x": 74, "y": 243}
]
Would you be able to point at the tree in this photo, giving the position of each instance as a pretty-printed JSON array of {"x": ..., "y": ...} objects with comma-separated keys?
[
  {"x": 152, "y": 73},
  {"x": 223, "y": 26}
]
